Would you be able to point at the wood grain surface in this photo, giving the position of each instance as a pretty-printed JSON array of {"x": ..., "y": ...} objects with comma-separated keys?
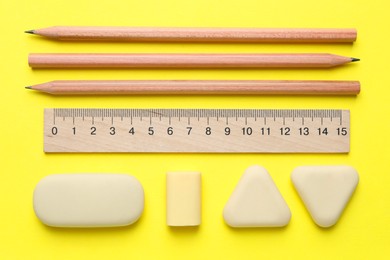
[
  {"x": 196, "y": 131},
  {"x": 174, "y": 60},
  {"x": 161, "y": 34},
  {"x": 199, "y": 87}
]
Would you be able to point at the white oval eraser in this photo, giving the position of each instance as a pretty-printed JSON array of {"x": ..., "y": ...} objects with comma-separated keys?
[
  {"x": 256, "y": 202},
  {"x": 325, "y": 190},
  {"x": 183, "y": 199},
  {"x": 88, "y": 200}
]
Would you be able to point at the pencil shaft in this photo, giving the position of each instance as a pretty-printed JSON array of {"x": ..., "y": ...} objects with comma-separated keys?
[
  {"x": 245, "y": 60},
  {"x": 209, "y": 87},
  {"x": 161, "y": 34}
]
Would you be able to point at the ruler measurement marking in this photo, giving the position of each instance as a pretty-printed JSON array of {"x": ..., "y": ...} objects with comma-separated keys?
[
  {"x": 199, "y": 113},
  {"x": 265, "y": 143}
]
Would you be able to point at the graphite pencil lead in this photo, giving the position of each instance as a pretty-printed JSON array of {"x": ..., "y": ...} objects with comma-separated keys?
[
  {"x": 30, "y": 31},
  {"x": 28, "y": 87},
  {"x": 354, "y": 59}
]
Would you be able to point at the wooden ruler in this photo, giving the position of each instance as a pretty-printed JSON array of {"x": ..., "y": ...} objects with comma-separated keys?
[{"x": 196, "y": 130}]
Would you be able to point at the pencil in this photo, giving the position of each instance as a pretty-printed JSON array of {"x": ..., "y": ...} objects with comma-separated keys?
[
  {"x": 198, "y": 87},
  {"x": 161, "y": 34},
  {"x": 136, "y": 60}
]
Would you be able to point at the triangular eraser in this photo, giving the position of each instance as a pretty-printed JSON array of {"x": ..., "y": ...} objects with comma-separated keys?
[
  {"x": 256, "y": 202},
  {"x": 325, "y": 190}
]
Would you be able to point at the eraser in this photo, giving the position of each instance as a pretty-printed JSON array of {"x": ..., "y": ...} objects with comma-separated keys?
[
  {"x": 88, "y": 200},
  {"x": 256, "y": 202},
  {"x": 183, "y": 198},
  {"x": 325, "y": 190}
]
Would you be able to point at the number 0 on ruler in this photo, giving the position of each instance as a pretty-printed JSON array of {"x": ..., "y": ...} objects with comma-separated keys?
[{"x": 196, "y": 130}]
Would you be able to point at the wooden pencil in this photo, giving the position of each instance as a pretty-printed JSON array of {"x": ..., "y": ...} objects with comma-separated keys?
[
  {"x": 137, "y": 60},
  {"x": 198, "y": 87},
  {"x": 161, "y": 34}
]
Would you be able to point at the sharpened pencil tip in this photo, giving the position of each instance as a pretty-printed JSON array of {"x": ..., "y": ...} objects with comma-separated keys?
[
  {"x": 28, "y": 87},
  {"x": 30, "y": 31},
  {"x": 354, "y": 59}
]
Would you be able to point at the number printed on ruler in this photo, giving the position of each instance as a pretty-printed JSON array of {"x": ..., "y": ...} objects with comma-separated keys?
[{"x": 197, "y": 130}]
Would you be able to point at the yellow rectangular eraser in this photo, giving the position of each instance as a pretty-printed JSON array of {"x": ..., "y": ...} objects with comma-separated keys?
[{"x": 183, "y": 198}]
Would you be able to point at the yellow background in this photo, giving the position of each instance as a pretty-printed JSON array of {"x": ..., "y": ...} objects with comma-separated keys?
[{"x": 361, "y": 233}]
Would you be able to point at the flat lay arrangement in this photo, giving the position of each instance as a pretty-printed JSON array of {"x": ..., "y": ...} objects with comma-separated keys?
[
  {"x": 65, "y": 200},
  {"x": 194, "y": 130},
  {"x": 109, "y": 200}
]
